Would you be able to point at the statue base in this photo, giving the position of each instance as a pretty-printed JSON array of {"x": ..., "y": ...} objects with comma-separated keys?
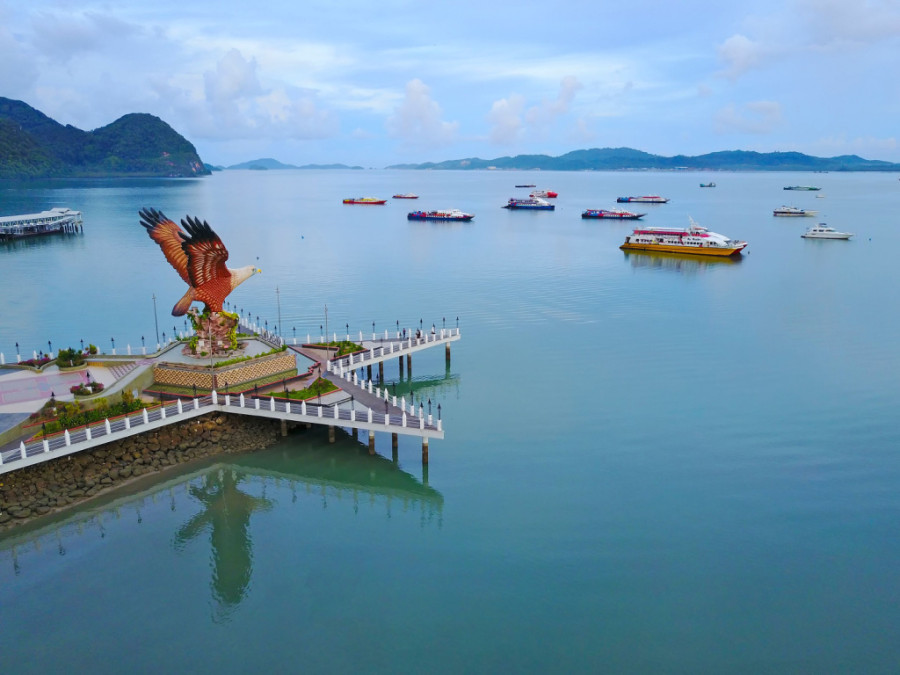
[{"x": 215, "y": 334}]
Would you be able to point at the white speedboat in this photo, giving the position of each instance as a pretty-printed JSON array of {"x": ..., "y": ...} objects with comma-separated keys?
[{"x": 822, "y": 231}]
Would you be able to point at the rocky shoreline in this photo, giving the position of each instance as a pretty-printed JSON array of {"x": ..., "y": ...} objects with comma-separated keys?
[{"x": 52, "y": 486}]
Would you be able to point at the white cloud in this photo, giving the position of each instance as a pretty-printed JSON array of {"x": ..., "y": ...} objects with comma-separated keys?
[
  {"x": 417, "y": 120},
  {"x": 505, "y": 118},
  {"x": 835, "y": 23},
  {"x": 740, "y": 54},
  {"x": 546, "y": 112},
  {"x": 757, "y": 117},
  {"x": 61, "y": 36}
]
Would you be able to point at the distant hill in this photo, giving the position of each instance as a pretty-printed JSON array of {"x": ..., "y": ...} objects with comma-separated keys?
[
  {"x": 615, "y": 159},
  {"x": 269, "y": 163},
  {"x": 33, "y": 145}
]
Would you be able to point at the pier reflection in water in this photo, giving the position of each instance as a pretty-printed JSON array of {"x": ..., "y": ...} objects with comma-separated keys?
[
  {"x": 683, "y": 263},
  {"x": 230, "y": 495}
]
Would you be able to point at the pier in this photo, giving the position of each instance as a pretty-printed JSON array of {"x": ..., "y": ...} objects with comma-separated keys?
[
  {"x": 363, "y": 406},
  {"x": 55, "y": 221}
]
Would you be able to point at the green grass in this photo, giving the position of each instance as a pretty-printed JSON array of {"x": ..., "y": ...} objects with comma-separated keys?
[
  {"x": 320, "y": 386},
  {"x": 344, "y": 347}
]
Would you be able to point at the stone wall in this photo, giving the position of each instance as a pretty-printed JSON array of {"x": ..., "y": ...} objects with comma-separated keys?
[
  {"x": 42, "y": 488},
  {"x": 239, "y": 373}
]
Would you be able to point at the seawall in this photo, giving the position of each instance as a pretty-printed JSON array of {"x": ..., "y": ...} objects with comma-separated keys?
[{"x": 58, "y": 484}]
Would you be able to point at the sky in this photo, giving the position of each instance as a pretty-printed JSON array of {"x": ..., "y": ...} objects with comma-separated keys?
[{"x": 395, "y": 81}]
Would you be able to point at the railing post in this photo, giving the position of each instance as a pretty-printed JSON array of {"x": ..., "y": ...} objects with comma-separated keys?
[
  {"x": 352, "y": 415},
  {"x": 272, "y": 403},
  {"x": 242, "y": 400},
  {"x": 46, "y": 446},
  {"x": 144, "y": 415},
  {"x": 320, "y": 411},
  {"x": 403, "y": 419},
  {"x": 215, "y": 397},
  {"x": 67, "y": 437},
  {"x": 87, "y": 433},
  {"x": 227, "y": 399},
  {"x": 335, "y": 409},
  {"x": 302, "y": 407},
  {"x": 22, "y": 450},
  {"x": 287, "y": 407},
  {"x": 256, "y": 403},
  {"x": 370, "y": 415},
  {"x": 127, "y": 423},
  {"x": 387, "y": 419},
  {"x": 162, "y": 411},
  {"x": 421, "y": 422},
  {"x": 109, "y": 428},
  {"x": 180, "y": 407},
  {"x": 440, "y": 426},
  {"x": 196, "y": 404}
]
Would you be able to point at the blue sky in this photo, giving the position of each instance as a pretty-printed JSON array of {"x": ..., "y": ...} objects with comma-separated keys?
[{"x": 380, "y": 83}]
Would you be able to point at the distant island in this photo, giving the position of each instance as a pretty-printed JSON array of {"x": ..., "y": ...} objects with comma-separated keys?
[
  {"x": 267, "y": 163},
  {"x": 623, "y": 159},
  {"x": 33, "y": 145}
]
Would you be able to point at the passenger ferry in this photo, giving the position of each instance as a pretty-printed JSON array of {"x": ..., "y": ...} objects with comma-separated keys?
[
  {"x": 446, "y": 215},
  {"x": 544, "y": 194},
  {"x": 406, "y": 195},
  {"x": 647, "y": 199},
  {"x": 612, "y": 213},
  {"x": 530, "y": 203},
  {"x": 694, "y": 240},
  {"x": 364, "y": 200},
  {"x": 54, "y": 221}
]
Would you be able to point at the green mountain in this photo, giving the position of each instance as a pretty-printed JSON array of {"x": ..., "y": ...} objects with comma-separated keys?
[
  {"x": 33, "y": 145},
  {"x": 269, "y": 163},
  {"x": 618, "y": 159}
]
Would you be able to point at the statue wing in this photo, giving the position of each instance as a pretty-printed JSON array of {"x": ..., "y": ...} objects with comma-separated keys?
[
  {"x": 206, "y": 255},
  {"x": 169, "y": 237}
]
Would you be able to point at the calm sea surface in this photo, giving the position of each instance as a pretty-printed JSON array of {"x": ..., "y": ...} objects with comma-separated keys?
[{"x": 651, "y": 464}]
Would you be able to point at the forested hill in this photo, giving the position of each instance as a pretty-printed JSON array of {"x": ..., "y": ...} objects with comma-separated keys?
[
  {"x": 615, "y": 159},
  {"x": 33, "y": 145}
]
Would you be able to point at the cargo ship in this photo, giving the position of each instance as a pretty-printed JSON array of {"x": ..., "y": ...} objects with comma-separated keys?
[
  {"x": 445, "y": 215},
  {"x": 647, "y": 199}
]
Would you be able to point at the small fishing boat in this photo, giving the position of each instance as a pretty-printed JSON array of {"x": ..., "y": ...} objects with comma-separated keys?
[
  {"x": 792, "y": 211},
  {"x": 407, "y": 195},
  {"x": 364, "y": 200},
  {"x": 527, "y": 185},
  {"x": 822, "y": 231},
  {"x": 707, "y": 185},
  {"x": 809, "y": 188}
]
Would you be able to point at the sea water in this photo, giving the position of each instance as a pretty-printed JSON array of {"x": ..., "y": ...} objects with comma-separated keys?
[{"x": 650, "y": 464}]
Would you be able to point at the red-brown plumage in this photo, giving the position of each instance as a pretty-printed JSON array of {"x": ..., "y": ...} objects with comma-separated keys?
[{"x": 198, "y": 255}]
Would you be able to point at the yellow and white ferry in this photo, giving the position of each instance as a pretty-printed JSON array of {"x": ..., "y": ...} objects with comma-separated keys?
[{"x": 694, "y": 240}]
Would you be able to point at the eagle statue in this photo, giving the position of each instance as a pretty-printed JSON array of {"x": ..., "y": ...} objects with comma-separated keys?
[{"x": 198, "y": 255}]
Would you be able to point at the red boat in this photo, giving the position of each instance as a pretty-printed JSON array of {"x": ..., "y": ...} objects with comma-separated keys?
[{"x": 544, "y": 194}]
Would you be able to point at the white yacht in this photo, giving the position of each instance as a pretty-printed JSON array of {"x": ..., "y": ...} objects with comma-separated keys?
[{"x": 822, "y": 231}]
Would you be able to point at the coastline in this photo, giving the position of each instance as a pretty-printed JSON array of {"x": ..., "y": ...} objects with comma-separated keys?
[{"x": 49, "y": 488}]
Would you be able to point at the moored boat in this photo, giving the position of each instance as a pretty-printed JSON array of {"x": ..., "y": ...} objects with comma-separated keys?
[
  {"x": 446, "y": 214},
  {"x": 707, "y": 185},
  {"x": 647, "y": 199},
  {"x": 544, "y": 194},
  {"x": 407, "y": 195},
  {"x": 822, "y": 231},
  {"x": 614, "y": 214},
  {"x": 694, "y": 240},
  {"x": 364, "y": 200},
  {"x": 527, "y": 185},
  {"x": 792, "y": 211},
  {"x": 530, "y": 203},
  {"x": 802, "y": 187}
]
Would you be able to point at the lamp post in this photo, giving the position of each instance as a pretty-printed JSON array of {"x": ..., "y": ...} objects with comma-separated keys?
[
  {"x": 155, "y": 318},
  {"x": 113, "y": 340},
  {"x": 439, "y": 411},
  {"x": 398, "y": 327},
  {"x": 142, "y": 342},
  {"x": 278, "y": 302},
  {"x": 429, "y": 406},
  {"x": 443, "y": 322},
  {"x": 164, "y": 337},
  {"x": 457, "y": 322},
  {"x": 49, "y": 347}
]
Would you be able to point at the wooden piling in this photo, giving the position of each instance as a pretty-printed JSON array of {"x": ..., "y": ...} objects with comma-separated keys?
[
  {"x": 284, "y": 427},
  {"x": 425, "y": 450},
  {"x": 371, "y": 442},
  {"x": 331, "y": 434}
]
